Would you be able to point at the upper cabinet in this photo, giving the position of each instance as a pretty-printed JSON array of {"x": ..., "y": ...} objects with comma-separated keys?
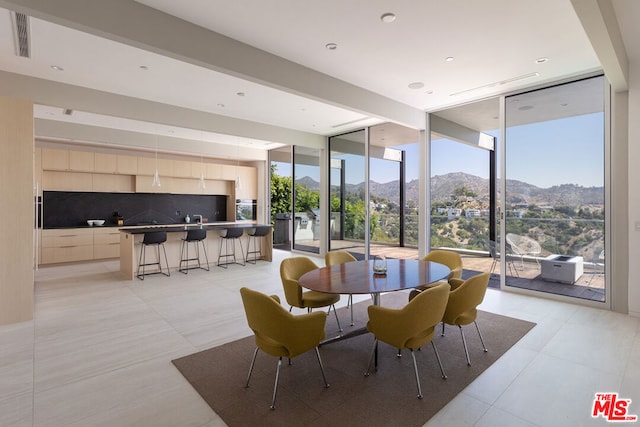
[
  {"x": 105, "y": 163},
  {"x": 71, "y": 170},
  {"x": 81, "y": 161}
]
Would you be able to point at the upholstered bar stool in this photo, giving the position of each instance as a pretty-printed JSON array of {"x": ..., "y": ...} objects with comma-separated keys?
[
  {"x": 197, "y": 237},
  {"x": 229, "y": 236},
  {"x": 157, "y": 239},
  {"x": 255, "y": 233}
]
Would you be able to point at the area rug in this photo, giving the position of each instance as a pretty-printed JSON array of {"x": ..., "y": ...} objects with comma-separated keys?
[{"x": 387, "y": 397}]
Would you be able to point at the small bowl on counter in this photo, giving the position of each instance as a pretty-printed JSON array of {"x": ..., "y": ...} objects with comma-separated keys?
[{"x": 98, "y": 222}]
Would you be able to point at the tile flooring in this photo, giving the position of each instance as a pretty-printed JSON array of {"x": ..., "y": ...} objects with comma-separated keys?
[{"x": 98, "y": 352}]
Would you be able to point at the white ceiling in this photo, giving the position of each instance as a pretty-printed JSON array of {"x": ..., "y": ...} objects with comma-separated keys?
[{"x": 494, "y": 45}]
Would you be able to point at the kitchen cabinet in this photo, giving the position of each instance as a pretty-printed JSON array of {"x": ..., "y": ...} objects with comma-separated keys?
[
  {"x": 147, "y": 166},
  {"x": 53, "y": 159},
  {"x": 248, "y": 183},
  {"x": 66, "y": 245},
  {"x": 81, "y": 161},
  {"x": 105, "y": 163},
  {"x": 106, "y": 243},
  {"x": 113, "y": 183},
  {"x": 218, "y": 171},
  {"x": 182, "y": 168},
  {"x": 126, "y": 165},
  {"x": 66, "y": 181}
]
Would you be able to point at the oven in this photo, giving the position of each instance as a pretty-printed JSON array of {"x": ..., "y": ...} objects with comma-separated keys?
[{"x": 246, "y": 209}]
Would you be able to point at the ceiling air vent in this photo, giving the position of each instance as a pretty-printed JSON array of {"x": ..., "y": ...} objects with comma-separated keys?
[{"x": 21, "y": 34}]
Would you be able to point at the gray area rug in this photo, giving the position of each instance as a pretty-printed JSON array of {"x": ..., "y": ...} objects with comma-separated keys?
[{"x": 387, "y": 397}]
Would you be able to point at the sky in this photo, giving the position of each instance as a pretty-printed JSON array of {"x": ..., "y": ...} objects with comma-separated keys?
[{"x": 563, "y": 151}]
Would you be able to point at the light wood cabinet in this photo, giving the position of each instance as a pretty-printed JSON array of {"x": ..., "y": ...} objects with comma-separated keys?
[
  {"x": 105, "y": 163},
  {"x": 53, "y": 159},
  {"x": 81, "y": 161},
  {"x": 113, "y": 183},
  {"x": 248, "y": 183},
  {"x": 106, "y": 243},
  {"x": 126, "y": 165},
  {"x": 67, "y": 181},
  {"x": 197, "y": 168},
  {"x": 66, "y": 245},
  {"x": 146, "y": 165},
  {"x": 182, "y": 169}
]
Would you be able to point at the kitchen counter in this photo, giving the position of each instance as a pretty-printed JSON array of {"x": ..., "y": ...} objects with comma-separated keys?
[{"x": 131, "y": 236}]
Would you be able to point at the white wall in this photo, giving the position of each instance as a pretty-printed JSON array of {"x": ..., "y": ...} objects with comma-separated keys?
[{"x": 634, "y": 191}]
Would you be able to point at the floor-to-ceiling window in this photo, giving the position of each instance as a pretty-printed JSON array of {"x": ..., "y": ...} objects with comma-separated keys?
[
  {"x": 555, "y": 189},
  {"x": 347, "y": 189},
  {"x": 306, "y": 199},
  {"x": 280, "y": 196}
]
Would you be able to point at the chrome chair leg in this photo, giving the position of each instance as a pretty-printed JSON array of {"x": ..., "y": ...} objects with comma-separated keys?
[
  {"x": 464, "y": 343},
  {"x": 275, "y": 386},
  {"x": 480, "y": 335},
  {"x": 350, "y": 305},
  {"x": 415, "y": 368},
  {"x": 324, "y": 377},
  {"x": 253, "y": 361},
  {"x": 373, "y": 350},
  {"x": 444, "y": 376},
  {"x": 442, "y": 333}
]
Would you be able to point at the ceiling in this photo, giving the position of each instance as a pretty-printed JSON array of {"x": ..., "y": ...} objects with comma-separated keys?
[{"x": 282, "y": 74}]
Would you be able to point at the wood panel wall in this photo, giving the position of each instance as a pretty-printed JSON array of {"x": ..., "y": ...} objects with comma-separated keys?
[{"x": 17, "y": 219}]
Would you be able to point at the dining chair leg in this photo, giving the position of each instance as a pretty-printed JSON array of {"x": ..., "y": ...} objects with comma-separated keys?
[
  {"x": 350, "y": 305},
  {"x": 435, "y": 349},
  {"x": 373, "y": 350},
  {"x": 484, "y": 347},
  {"x": 415, "y": 369},
  {"x": 253, "y": 361},
  {"x": 442, "y": 333},
  {"x": 464, "y": 343},
  {"x": 275, "y": 386},
  {"x": 324, "y": 377}
]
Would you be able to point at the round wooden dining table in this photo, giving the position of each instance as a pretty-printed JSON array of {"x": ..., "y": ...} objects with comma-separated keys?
[{"x": 357, "y": 277}]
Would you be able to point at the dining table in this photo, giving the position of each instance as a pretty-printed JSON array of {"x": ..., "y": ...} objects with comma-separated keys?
[{"x": 358, "y": 277}]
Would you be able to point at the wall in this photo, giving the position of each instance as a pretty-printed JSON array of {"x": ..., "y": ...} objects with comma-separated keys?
[
  {"x": 634, "y": 182},
  {"x": 17, "y": 225}
]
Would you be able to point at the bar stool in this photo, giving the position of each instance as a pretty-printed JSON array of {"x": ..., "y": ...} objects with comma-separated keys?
[
  {"x": 230, "y": 235},
  {"x": 157, "y": 239},
  {"x": 254, "y": 233},
  {"x": 194, "y": 235}
]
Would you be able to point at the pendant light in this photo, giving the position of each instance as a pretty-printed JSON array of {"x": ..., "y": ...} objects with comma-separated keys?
[
  {"x": 156, "y": 176},
  {"x": 201, "y": 184}
]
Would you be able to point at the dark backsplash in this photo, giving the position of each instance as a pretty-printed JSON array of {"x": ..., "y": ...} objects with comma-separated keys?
[{"x": 73, "y": 208}]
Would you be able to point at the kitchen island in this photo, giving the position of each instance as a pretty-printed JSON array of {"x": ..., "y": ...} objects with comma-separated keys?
[{"x": 131, "y": 238}]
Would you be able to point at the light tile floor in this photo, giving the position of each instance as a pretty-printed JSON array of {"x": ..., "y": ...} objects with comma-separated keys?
[{"x": 99, "y": 348}]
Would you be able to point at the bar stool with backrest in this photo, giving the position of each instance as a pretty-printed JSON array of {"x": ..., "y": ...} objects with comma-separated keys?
[
  {"x": 195, "y": 236},
  {"x": 253, "y": 234},
  {"x": 230, "y": 235},
  {"x": 157, "y": 239}
]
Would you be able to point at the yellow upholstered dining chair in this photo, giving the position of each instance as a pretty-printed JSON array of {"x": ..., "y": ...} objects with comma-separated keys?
[
  {"x": 450, "y": 259},
  {"x": 340, "y": 257},
  {"x": 412, "y": 326},
  {"x": 464, "y": 299},
  {"x": 280, "y": 333},
  {"x": 291, "y": 269}
]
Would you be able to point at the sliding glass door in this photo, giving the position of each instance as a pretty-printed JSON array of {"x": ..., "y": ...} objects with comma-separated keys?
[
  {"x": 554, "y": 216},
  {"x": 306, "y": 199}
]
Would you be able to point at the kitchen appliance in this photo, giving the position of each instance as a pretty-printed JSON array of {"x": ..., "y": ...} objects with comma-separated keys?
[{"x": 246, "y": 209}]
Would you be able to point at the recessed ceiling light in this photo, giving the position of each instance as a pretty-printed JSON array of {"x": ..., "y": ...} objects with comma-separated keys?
[
  {"x": 526, "y": 107},
  {"x": 143, "y": 67},
  {"x": 429, "y": 92},
  {"x": 541, "y": 60},
  {"x": 416, "y": 85},
  {"x": 240, "y": 93},
  {"x": 221, "y": 105},
  {"x": 331, "y": 46},
  {"x": 57, "y": 68},
  {"x": 388, "y": 17},
  {"x": 449, "y": 58}
]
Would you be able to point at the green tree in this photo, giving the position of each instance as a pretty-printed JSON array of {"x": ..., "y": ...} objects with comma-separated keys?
[{"x": 280, "y": 193}]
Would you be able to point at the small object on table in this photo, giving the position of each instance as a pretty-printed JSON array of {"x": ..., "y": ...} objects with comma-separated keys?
[{"x": 379, "y": 265}]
